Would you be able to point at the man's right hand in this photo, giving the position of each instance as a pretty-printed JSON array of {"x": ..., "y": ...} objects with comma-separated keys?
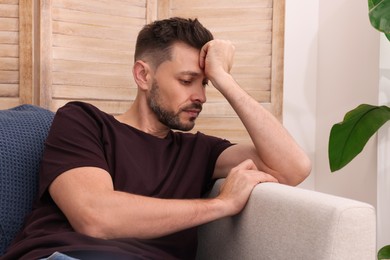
[{"x": 237, "y": 187}]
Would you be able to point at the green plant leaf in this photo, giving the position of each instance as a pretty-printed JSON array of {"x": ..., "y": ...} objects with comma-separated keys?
[
  {"x": 384, "y": 253},
  {"x": 348, "y": 138},
  {"x": 372, "y": 3},
  {"x": 379, "y": 14}
]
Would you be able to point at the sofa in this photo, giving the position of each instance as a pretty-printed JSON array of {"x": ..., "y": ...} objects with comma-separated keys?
[{"x": 278, "y": 222}]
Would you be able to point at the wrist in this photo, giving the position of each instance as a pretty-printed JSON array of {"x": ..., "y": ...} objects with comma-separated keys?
[
  {"x": 226, "y": 85},
  {"x": 219, "y": 207},
  {"x": 222, "y": 79}
]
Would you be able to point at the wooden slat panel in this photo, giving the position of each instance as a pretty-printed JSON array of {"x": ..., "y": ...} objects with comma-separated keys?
[
  {"x": 217, "y": 4},
  {"x": 83, "y": 53},
  {"x": 255, "y": 60},
  {"x": 9, "y": 24},
  {"x": 253, "y": 48},
  {"x": 92, "y": 31},
  {"x": 14, "y": 2},
  {"x": 216, "y": 24},
  {"x": 9, "y": 102},
  {"x": 9, "y": 63},
  {"x": 110, "y": 82},
  {"x": 7, "y": 50},
  {"x": 107, "y": 7},
  {"x": 93, "y": 93},
  {"x": 84, "y": 67},
  {"x": 255, "y": 73},
  {"x": 9, "y": 37},
  {"x": 91, "y": 50},
  {"x": 9, "y": 90},
  {"x": 93, "y": 43},
  {"x": 9, "y": 76},
  {"x": 9, "y": 10},
  {"x": 209, "y": 11},
  {"x": 97, "y": 19}
]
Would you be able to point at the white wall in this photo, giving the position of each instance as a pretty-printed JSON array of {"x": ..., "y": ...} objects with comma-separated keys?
[
  {"x": 300, "y": 76},
  {"x": 331, "y": 66},
  {"x": 383, "y": 183},
  {"x": 348, "y": 59}
]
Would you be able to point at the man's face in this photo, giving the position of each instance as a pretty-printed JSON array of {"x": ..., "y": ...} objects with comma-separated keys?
[{"x": 178, "y": 89}]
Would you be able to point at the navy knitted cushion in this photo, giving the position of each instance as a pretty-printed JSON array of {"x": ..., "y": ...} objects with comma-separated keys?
[{"x": 23, "y": 131}]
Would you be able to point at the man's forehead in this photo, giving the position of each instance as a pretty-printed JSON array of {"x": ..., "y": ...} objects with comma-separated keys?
[
  {"x": 186, "y": 59},
  {"x": 182, "y": 51}
]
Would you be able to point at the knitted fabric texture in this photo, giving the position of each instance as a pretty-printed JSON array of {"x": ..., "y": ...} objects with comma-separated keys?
[{"x": 23, "y": 130}]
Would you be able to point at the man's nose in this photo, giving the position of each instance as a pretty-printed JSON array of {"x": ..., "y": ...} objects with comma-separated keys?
[{"x": 199, "y": 94}]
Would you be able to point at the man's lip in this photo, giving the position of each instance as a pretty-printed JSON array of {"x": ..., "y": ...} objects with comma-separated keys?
[{"x": 195, "y": 112}]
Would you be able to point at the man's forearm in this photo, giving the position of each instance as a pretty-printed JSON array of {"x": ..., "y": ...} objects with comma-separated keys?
[
  {"x": 128, "y": 215},
  {"x": 274, "y": 145}
]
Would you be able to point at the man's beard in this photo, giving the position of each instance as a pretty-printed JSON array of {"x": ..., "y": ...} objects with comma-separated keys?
[{"x": 166, "y": 117}]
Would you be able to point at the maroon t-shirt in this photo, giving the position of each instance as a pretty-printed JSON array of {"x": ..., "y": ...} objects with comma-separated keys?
[{"x": 179, "y": 166}]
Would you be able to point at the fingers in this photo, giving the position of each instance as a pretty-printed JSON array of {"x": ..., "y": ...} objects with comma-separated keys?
[
  {"x": 217, "y": 53},
  {"x": 203, "y": 54},
  {"x": 247, "y": 165},
  {"x": 249, "y": 168},
  {"x": 265, "y": 177},
  {"x": 238, "y": 185}
]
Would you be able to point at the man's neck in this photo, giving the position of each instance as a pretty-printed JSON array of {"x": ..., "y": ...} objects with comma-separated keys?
[{"x": 144, "y": 120}]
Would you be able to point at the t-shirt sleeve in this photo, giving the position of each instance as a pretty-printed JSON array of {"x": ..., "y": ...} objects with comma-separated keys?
[
  {"x": 74, "y": 140},
  {"x": 217, "y": 146}
]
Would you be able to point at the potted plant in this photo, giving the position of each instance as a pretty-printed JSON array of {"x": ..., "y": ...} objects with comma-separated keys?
[{"x": 348, "y": 138}]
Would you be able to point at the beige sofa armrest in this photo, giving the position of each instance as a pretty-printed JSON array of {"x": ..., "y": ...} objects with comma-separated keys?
[{"x": 283, "y": 222}]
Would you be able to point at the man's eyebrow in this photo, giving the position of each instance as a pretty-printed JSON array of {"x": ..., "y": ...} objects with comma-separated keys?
[
  {"x": 193, "y": 74},
  {"x": 190, "y": 73}
]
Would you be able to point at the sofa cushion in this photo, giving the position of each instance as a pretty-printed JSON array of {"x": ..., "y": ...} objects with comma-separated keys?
[{"x": 23, "y": 130}]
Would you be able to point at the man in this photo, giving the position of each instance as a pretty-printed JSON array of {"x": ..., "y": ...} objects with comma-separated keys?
[{"x": 128, "y": 187}]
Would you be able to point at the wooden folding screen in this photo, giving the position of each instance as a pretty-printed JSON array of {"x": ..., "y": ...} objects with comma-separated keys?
[
  {"x": 84, "y": 51},
  {"x": 16, "y": 53}
]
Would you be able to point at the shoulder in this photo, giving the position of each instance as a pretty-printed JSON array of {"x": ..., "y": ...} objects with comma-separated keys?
[
  {"x": 77, "y": 107},
  {"x": 80, "y": 111},
  {"x": 77, "y": 117}
]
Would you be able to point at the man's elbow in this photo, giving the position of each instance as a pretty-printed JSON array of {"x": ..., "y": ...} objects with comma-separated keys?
[
  {"x": 92, "y": 225},
  {"x": 297, "y": 173},
  {"x": 301, "y": 172}
]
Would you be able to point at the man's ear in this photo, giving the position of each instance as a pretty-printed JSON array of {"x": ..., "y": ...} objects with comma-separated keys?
[{"x": 142, "y": 74}]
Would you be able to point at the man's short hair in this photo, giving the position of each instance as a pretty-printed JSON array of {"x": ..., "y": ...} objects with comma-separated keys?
[{"x": 156, "y": 39}]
